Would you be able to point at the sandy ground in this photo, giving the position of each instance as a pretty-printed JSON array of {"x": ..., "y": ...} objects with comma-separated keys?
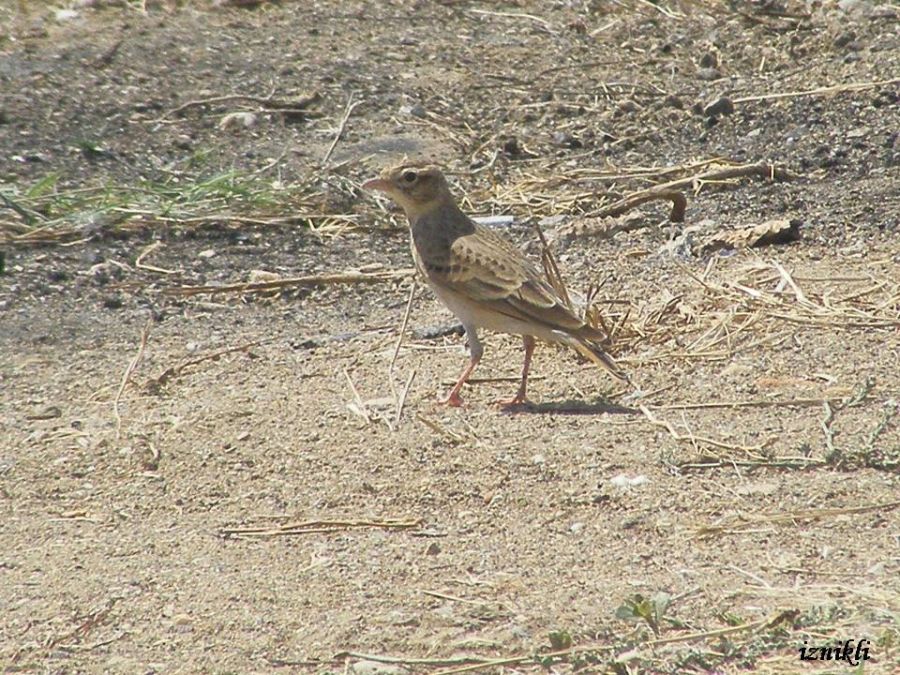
[{"x": 249, "y": 482}]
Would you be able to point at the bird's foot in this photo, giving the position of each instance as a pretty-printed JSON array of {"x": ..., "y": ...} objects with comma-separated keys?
[
  {"x": 519, "y": 401},
  {"x": 453, "y": 400}
]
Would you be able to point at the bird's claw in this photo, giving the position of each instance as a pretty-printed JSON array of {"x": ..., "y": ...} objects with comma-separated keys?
[
  {"x": 453, "y": 400},
  {"x": 516, "y": 402}
]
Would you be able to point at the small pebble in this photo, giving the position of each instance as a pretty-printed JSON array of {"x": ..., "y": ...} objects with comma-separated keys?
[
  {"x": 511, "y": 147},
  {"x": 623, "y": 481},
  {"x": 66, "y": 15},
  {"x": 851, "y": 5},
  {"x": 566, "y": 139},
  {"x": 417, "y": 110},
  {"x": 183, "y": 142},
  {"x": 721, "y": 106},
  {"x": 495, "y": 221},
  {"x": 709, "y": 60},
  {"x": 377, "y": 668},
  {"x": 885, "y": 12},
  {"x": 876, "y": 570},
  {"x": 844, "y": 38},
  {"x": 554, "y": 220},
  {"x": 708, "y": 74},
  {"x": 237, "y": 121}
]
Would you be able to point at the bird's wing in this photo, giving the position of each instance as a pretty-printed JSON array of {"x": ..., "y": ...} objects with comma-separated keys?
[{"x": 491, "y": 271}]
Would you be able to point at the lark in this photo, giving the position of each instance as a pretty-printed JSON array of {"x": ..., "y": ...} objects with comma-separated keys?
[{"x": 483, "y": 278}]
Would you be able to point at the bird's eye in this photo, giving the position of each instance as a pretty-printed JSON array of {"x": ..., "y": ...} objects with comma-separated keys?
[{"x": 410, "y": 176}]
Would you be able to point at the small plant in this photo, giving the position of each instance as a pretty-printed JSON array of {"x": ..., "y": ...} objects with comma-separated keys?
[
  {"x": 560, "y": 639},
  {"x": 650, "y": 610},
  {"x": 731, "y": 619},
  {"x": 50, "y": 211}
]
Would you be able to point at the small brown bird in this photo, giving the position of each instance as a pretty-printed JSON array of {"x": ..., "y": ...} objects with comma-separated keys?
[{"x": 484, "y": 279}]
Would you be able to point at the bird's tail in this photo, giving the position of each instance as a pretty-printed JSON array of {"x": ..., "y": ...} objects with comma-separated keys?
[{"x": 593, "y": 352}]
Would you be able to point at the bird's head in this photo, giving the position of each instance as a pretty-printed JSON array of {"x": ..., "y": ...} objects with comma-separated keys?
[{"x": 417, "y": 188}]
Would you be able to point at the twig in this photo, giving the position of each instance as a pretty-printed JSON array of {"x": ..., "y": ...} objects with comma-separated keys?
[
  {"x": 754, "y": 577},
  {"x": 173, "y": 371},
  {"x": 411, "y": 661},
  {"x": 826, "y": 423},
  {"x": 738, "y": 523},
  {"x": 670, "y": 191},
  {"x": 662, "y": 10},
  {"x": 581, "y": 65},
  {"x": 96, "y": 645},
  {"x": 351, "y": 104},
  {"x": 401, "y": 399},
  {"x": 403, "y": 396},
  {"x": 126, "y": 376},
  {"x": 153, "y": 464},
  {"x": 763, "y": 170},
  {"x": 28, "y": 215},
  {"x": 441, "y": 430},
  {"x": 401, "y": 333},
  {"x": 360, "y": 406},
  {"x": 801, "y": 297},
  {"x": 834, "y": 89},
  {"x": 676, "y": 215},
  {"x": 692, "y": 439},
  {"x": 298, "y": 105},
  {"x": 278, "y": 662},
  {"x": 796, "y": 402},
  {"x": 271, "y": 164},
  {"x": 452, "y": 598},
  {"x": 496, "y": 379},
  {"x": 139, "y": 261},
  {"x": 297, "y": 218},
  {"x": 771, "y": 622},
  {"x": 351, "y": 277},
  {"x": 594, "y": 648},
  {"x": 516, "y": 15},
  {"x": 319, "y": 526},
  {"x": 776, "y": 463}
]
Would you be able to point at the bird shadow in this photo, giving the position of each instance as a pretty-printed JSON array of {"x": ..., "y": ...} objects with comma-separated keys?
[{"x": 571, "y": 407}]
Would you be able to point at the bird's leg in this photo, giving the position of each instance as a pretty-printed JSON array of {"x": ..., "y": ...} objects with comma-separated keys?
[
  {"x": 519, "y": 399},
  {"x": 453, "y": 398},
  {"x": 475, "y": 351}
]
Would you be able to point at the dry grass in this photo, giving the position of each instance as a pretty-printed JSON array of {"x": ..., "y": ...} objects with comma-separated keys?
[{"x": 716, "y": 315}]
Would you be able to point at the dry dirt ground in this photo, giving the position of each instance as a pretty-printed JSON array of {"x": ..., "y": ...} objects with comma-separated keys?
[{"x": 263, "y": 482}]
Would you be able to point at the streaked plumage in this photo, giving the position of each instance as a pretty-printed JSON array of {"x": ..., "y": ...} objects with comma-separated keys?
[{"x": 484, "y": 279}]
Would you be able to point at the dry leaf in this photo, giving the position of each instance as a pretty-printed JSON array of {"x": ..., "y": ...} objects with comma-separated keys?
[{"x": 779, "y": 231}]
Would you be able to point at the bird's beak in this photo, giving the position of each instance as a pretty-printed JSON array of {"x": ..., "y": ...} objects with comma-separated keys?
[{"x": 377, "y": 184}]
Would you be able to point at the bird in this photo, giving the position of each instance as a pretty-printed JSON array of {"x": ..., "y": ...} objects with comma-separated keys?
[{"x": 482, "y": 277}]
